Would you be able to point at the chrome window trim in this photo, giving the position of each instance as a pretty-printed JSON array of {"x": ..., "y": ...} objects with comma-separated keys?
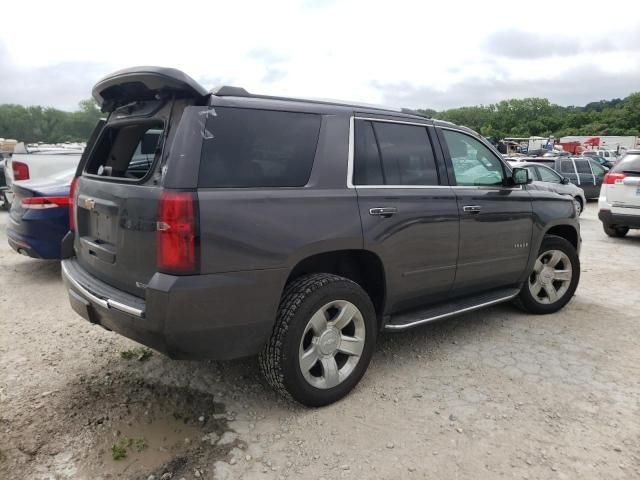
[
  {"x": 351, "y": 154},
  {"x": 350, "y": 160}
]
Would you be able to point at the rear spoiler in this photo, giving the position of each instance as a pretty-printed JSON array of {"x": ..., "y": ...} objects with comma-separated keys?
[{"x": 142, "y": 84}]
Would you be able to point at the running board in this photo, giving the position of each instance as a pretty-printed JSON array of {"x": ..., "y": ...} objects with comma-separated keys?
[{"x": 406, "y": 320}]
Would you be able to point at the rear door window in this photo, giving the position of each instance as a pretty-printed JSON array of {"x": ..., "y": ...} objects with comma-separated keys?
[
  {"x": 566, "y": 166},
  {"x": 583, "y": 167},
  {"x": 126, "y": 152},
  {"x": 393, "y": 154},
  {"x": 258, "y": 148}
]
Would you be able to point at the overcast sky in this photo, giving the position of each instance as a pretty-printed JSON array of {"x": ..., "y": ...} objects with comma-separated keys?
[{"x": 400, "y": 53}]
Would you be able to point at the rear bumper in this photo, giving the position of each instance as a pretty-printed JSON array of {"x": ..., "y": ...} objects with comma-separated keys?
[
  {"x": 616, "y": 219},
  {"x": 34, "y": 247},
  {"x": 215, "y": 316}
]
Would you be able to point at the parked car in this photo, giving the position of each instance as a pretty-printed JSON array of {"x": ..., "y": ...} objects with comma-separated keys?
[
  {"x": 38, "y": 166},
  {"x": 609, "y": 155},
  {"x": 39, "y": 216},
  {"x": 581, "y": 171},
  {"x": 4, "y": 203},
  {"x": 619, "y": 203},
  {"x": 607, "y": 163},
  {"x": 546, "y": 178},
  {"x": 297, "y": 230}
]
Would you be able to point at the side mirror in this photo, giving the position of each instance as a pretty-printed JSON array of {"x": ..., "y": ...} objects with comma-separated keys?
[
  {"x": 520, "y": 176},
  {"x": 565, "y": 181}
]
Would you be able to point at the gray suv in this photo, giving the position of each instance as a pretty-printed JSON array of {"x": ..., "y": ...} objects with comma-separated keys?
[{"x": 223, "y": 224}]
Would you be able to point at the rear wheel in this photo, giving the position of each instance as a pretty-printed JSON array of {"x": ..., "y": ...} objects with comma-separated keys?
[
  {"x": 554, "y": 278},
  {"x": 323, "y": 339},
  {"x": 615, "y": 231}
]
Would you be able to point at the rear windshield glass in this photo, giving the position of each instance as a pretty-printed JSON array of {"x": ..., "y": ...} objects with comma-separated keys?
[
  {"x": 258, "y": 148},
  {"x": 126, "y": 152},
  {"x": 630, "y": 163}
]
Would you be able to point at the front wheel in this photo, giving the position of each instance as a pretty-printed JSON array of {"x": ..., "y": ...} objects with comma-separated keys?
[
  {"x": 554, "y": 278},
  {"x": 579, "y": 206},
  {"x": 322, "y": 341}
]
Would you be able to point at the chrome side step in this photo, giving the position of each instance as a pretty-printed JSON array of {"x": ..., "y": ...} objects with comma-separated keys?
[{"x": 407, "y": 320}]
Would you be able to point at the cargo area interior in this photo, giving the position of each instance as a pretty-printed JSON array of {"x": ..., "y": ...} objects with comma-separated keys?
[{"x": 127, "y": 151}]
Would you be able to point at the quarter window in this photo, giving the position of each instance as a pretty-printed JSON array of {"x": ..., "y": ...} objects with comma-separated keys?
[
  {"x": 393, "y": 154},
  {"x": 473, "y": 163},
  {"x": 258, "y": 148}
]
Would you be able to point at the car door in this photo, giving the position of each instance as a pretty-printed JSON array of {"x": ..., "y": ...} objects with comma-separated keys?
[
  {"x": 598, "y": 174},
  {"x": 567, "y": 169},
  {"x": 495, "y": 219},
  {"x": 551, "y": 178},
  {"x": 408, "y": 211},
  {"x": 587, "y": 179}
]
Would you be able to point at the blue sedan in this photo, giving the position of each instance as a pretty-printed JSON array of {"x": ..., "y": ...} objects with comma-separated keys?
[{"x": 39, "y": 216}]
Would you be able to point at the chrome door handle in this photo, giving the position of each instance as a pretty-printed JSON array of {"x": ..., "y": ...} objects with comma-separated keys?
[
  {"x": 383, "y": 211},
  {"x": 471, "y": 208}
]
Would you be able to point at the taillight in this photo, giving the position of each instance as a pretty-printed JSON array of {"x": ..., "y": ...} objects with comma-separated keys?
[
  {"x": 611, "y": 178},
  {"x": 177, "y": 232},
  {"x": 72, "y": 204},
  {"x": 20, "y": 170},
  {"x": 42, "y": 203}
]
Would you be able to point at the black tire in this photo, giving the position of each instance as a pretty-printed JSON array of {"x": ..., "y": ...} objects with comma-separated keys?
[
  {"x": 279, "y": 360},
  {"x": 4, "y": 203},
  {"x": 617, "y": 232},
  {"x": 579, "y": 202},
  {"x": 526, "y": 300}
]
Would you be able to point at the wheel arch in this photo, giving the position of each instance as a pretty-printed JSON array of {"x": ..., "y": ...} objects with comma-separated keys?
[
  {"x": 568, "y": 232},
  {"x": 361, "y": 266}
]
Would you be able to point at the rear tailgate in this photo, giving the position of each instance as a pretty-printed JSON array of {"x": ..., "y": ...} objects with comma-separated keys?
[
  {"x": 116, "y": 197},
  {"x": 623, "y": 186},
  {"x": 116, "y": 232}
]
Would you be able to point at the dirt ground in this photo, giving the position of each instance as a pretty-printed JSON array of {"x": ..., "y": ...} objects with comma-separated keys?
[{"x": 490, "y": 394}]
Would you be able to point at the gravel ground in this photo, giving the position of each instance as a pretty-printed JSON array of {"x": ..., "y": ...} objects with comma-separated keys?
[{"x": 495, "y": 393}]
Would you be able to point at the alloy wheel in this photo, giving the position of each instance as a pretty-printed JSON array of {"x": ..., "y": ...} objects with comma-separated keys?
[
  {"x": 332, "y": 344},
  {"x": 551, "y": 277}
]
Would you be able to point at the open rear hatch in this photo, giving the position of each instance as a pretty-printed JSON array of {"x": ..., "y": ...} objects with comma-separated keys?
[{"x": 116, "y": 197}]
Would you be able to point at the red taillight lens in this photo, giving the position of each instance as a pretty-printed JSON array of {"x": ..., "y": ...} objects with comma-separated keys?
[
  {"x": 176, "y": 232},
  {"x": 72, "y": 204},
  {"x": 20, "y": 170},
  {"x": 611, "y": 178},
  {"x": 42, "y": 203}
]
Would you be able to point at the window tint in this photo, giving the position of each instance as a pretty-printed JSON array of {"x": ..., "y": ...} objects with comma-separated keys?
[
  {"x": 126, "y": 152},
  {"x": 473, "y": 163},
  {"x": 629, "y": 163},
  {"x": 367, "y": 163},
  {"x": 566, "y": 166},
  {"x": 393, "y": 154},
  {"x": 258, "y": 148},
  {"x": 583, "y": 166},
  {"x": 598, "y": 170},
  {"x": 548, "y": 175}
]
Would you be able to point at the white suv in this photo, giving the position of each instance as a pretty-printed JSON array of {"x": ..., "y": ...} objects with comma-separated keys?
[{"x": 619, "y": 200}]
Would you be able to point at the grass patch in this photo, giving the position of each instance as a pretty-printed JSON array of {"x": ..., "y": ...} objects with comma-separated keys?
[
  {"x": 139, "y": 353},
  {"x": 120, "y": 449}
]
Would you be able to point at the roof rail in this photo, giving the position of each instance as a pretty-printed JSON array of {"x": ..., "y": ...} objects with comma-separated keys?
[{"x": 230, "y": 91}]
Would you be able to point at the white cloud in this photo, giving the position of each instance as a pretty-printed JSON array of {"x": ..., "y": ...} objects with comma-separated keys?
[{"x": 355, "y": 50}]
